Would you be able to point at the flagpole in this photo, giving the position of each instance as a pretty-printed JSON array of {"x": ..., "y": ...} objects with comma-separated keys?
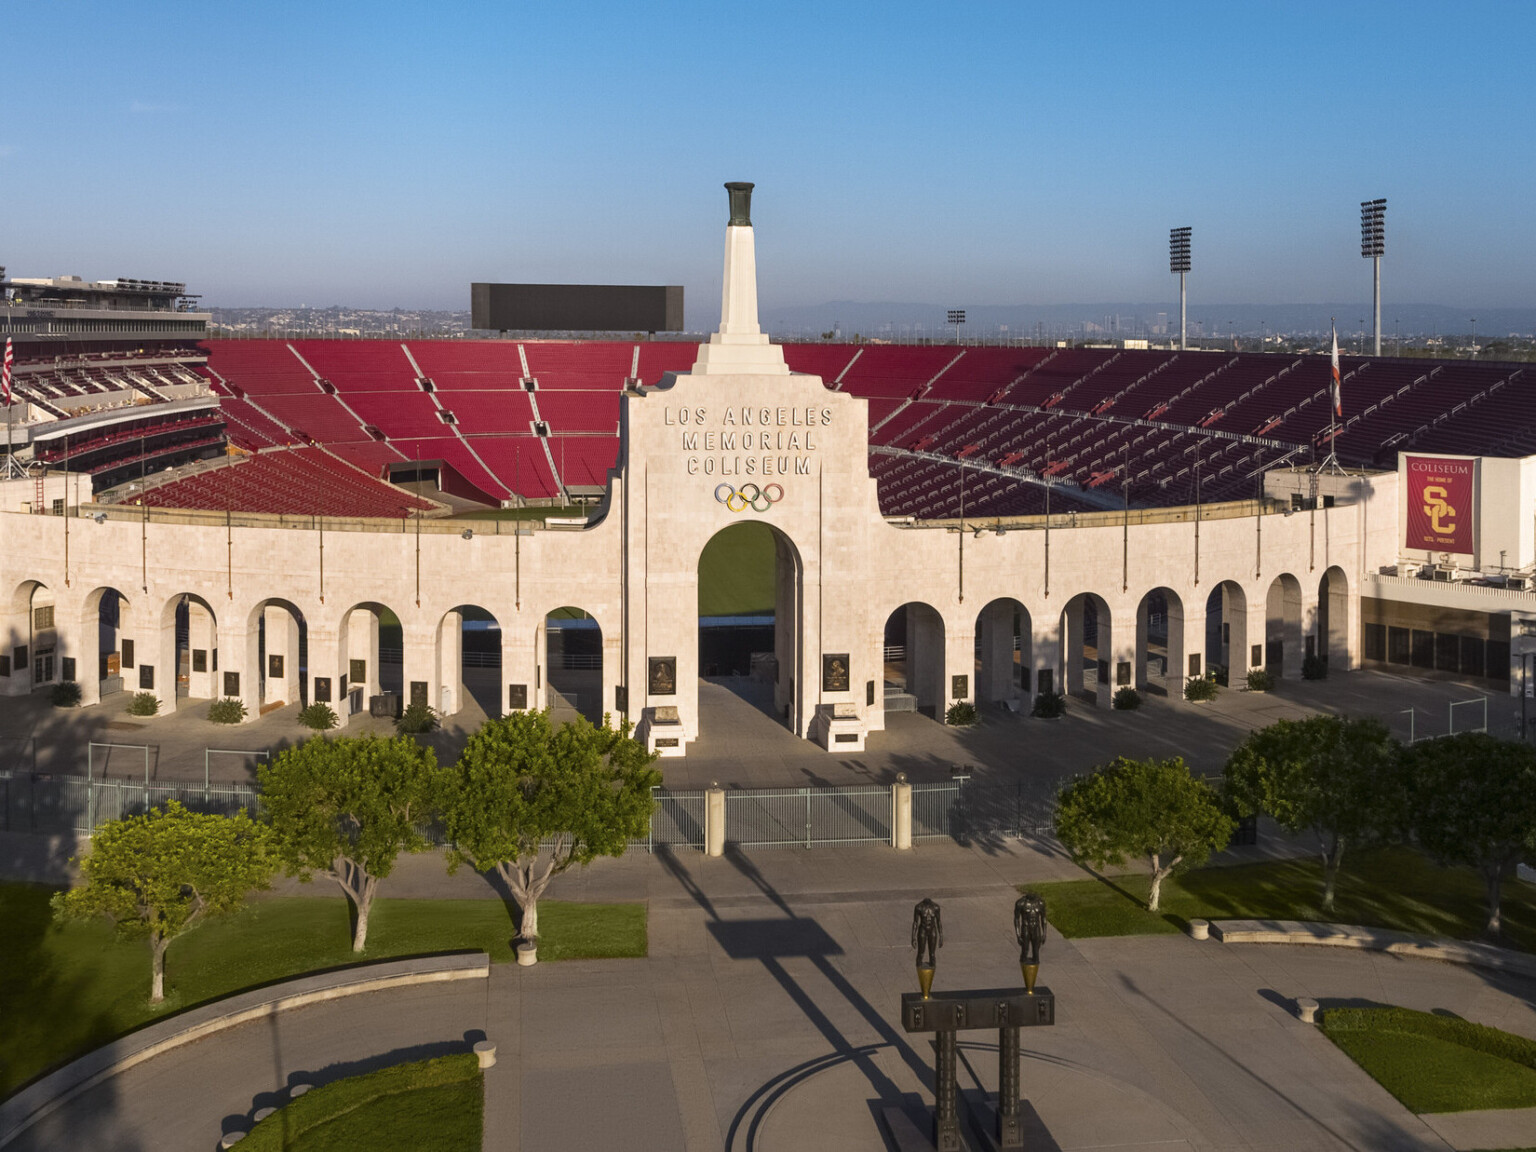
[{"x": 1335, "y": 402}]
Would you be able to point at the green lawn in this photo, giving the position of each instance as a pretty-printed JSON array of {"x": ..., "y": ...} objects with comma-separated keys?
[
  {"x": 736, "y": 571},
  {"x": 1386, "y": 888},
  {"x": 425, "y": 1106},
  {"x": 1436, "y": 1063},
  {"x": 69, "y": 988},
  {"x": 533, "y": 512}
]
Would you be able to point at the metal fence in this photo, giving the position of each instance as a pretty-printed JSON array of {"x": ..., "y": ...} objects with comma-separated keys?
[{"x": 754, "y": 817}]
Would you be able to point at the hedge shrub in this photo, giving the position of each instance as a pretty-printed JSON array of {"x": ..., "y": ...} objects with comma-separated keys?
[
  {"x": 318, "y": 716},
  {"x": 1049, "y": 705},
  {"x": 227, "y": 711},
  {"x": 1259, "y": 680},
  {"x": 65, "y": 694},
  {"x": 961, "y": 714},
  {"x": 1314, "y": 668},
  {"x": 143, "y": 704},
  {"x": 1127, "y": 699},
  {"x": 415, "y": 719},
  {"x": 1200, "y": 688}
]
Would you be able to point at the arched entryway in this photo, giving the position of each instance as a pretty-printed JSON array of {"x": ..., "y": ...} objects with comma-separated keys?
[
  {"x": 914, "y": 660},
  {"x": 104, "y": 620},
  {"x": 1282, "y": 627},
  {"x": 469, "y": 662},
  {"x": 370, "y": 644},
  {"x": 1226, "y": 630},
  {"x": 1004, "y": 638},
  {"x": 1088, "y": 649},
  {"x": 187, "y": 655},
  {"x": 1332, "y": 640},
  {"x": 573, "y": 665},
  {"x": 1160, "y": 659},
  {"x": 277, "y": 640},
  {"x": 749, "y": 605}
]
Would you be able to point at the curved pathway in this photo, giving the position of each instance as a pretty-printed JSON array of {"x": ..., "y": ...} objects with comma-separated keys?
[{"x": 765, "y": 1019}]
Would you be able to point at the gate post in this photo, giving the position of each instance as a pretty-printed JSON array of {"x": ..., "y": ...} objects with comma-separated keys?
[
  {"x": 714, "y": 820},
  {"x": 901, "y": 813}
]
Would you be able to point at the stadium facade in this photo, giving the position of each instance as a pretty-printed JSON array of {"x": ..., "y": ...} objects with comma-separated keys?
[{"x": 993, "y": 604}]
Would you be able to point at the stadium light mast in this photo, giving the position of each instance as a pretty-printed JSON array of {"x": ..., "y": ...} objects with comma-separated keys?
[
  {"x": 956, "y": 316},
  {"x": 1373, "y": 245},
  {"x": 1178, "y": 261}
]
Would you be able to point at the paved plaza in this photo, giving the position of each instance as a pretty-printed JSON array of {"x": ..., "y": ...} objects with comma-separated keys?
[
  {"x": 765, "y": 1018},
  {"x": 741, "y": 745}
]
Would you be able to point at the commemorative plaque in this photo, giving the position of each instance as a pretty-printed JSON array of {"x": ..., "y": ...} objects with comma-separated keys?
[
  {"x": 274, "y": 667},
  {"x": 517, "y": 697},
  {"x": 231, "y": 683},
  {"x": 357, "y": 672},
  {"x": 834, "y": 672},
  {"x": 322, "y": 689},
  {"x": 663, "y": 677}
]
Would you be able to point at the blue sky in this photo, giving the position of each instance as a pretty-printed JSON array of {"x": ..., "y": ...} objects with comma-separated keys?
[{"x": 388, "y": 154}]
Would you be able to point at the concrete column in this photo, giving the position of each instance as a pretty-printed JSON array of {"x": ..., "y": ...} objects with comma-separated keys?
[
  {"x": 1072, "y": 649},
  {"x": 714, "y": 821},
  {"x": 1144, "y": 672},
  {"x": 239, "y": 656},
  {"x": 202, "y": 637},
  {"x": 160, "y": 654},
  {"x": 1120, "y": 649},
  {"x": 282, "y": 639},
  {"x": 901, "y": 814},
  {"x": 1186, "y": 638},
  {"x": 362, "y": 629},
  {"x": 1045, "y": 650},
  {"x": 521, "y": 655},
  {"x": 327, "y": 661},
  {"x": 450, "y": 664},
  {"x": 419, "y": 664},
  {"x": 959, "y": 660},
  {"x": 1251, "y": 635},
  {"x": 16, "y": 632},
  {"x": 84, "y": 643},
  {"x": 926, "y": 659},
  {"x": 613, "y": 657}
]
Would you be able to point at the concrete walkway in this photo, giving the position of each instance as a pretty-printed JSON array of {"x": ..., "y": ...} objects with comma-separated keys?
[{"x": 765, "y": 1018}]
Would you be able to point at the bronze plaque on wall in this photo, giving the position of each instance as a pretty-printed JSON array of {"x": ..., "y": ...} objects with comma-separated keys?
[
  {"x": 959, "y": 687},
  {"x": 834, "y": 672},
  {"x": 127, "y": 653},
  {"x": 231, "y": 683},
  {"x": 322, "y": 689},
  {"x": 199, "y": 659},
  {"x": 419, "y": 692},
  {"x": 358, "y": 672},
  {"x": 663, "y": 677},
  {"x": 274, "y": 667},
  {"x": 147, "y": 677},
  {"x": 517, "y": 697}
]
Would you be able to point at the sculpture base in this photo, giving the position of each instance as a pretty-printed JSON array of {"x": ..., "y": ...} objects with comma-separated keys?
[
  {"x": 1032, "y": 1134},
  {"x": 925, "y": 981},
  {"x": 1031, "y": 974}
]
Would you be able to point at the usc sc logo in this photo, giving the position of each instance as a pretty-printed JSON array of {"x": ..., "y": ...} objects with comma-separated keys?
[{"x": 1442, "y": 516}]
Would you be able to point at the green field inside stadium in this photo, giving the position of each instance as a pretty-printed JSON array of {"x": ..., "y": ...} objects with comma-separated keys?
[{"x": 736, "y": 572}]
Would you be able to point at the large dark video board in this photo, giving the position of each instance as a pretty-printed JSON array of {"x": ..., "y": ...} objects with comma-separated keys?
[{"x": 576, "y": 307}]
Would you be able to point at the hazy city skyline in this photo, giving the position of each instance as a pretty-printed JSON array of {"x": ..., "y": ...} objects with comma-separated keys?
[{"x": 385, "y": 155}]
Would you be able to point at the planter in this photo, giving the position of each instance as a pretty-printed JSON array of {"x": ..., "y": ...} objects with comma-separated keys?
[{"x": 527, "y": 953}]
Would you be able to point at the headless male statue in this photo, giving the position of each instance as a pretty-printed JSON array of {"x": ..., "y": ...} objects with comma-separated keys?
[
  {"x": 927, "y": 938},
  {"x": 1029, "y": 928}
]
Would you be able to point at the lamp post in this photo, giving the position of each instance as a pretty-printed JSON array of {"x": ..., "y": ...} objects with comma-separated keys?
[
  {"x": 1474, "y": 337},
  {"x": 1373, "y": 245},
  {"x": 1178, "y": 262}
]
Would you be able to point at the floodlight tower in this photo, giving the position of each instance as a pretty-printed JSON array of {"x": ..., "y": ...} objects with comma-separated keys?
[
  {"x": 1373, "y": 244},
  {"x": 1178, "y": 261}
]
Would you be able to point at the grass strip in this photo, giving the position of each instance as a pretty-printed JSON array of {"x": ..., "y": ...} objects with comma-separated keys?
[
  {"x": 1395, "y": 888},
  {"x": 68, "y": 988},
  {"x": 1434, "y": 1063},
  {"x": 425, "y": 1106}
]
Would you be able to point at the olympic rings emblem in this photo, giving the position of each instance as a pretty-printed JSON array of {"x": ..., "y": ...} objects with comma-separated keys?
[{"x": 759, "y": 499}]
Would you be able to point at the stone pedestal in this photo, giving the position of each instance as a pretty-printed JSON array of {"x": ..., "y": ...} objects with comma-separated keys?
[
  {"x": 485, "y": 1053},
  {"x": 662, "y": 731},
  {"x": 838, "y": 728}
]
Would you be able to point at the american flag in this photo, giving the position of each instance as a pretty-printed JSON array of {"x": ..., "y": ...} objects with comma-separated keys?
[
  {"x": 5, "y": 373},
  {"x": 1338, "y": 393}
]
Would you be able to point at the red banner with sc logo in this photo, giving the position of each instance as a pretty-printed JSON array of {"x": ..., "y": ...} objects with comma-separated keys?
[{"x": 1439, "y": 496}]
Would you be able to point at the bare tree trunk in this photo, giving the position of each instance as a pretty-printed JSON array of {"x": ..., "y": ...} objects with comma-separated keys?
[
  {"x": 157, "y": 946},
  {"x": 1159, "y": 874},
  {"x": 1494, "y": 878},
  {"x": 364, "y": 905},
  {"x": 359, "y": 887},
  {"x": 527, "y": 884},
  {"x": 1331, "y": 859}
]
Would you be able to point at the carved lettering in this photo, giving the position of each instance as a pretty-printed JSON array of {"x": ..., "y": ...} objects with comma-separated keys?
[
  {"x": 690, "y": 440},
  {"x": 802, "y": 467}
]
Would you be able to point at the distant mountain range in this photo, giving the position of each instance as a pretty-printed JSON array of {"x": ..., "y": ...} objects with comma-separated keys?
[{"x": 1143, "y": 319}]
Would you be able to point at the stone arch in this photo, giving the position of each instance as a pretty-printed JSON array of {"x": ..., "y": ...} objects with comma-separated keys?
[
  {"x": 1333, "y": 625},
  {"x": 277, "y": 656},
  {"x": 1161, "y": 662},
  {"x": 185, "y": 653},
  {"x": 469, "y": 659},
  {"x": 1004, "y": 652},
  {"x": 1089, "y": 669},
  {"x": 105, "y": 623},
  {"x": 29, "y": 641},
  {"x": 776, "y": 685},
  {"x": 914, "y": 660},
  {"x": 571, "y": 654},
  {"x": 370, "y": 640},
  {"x": 1283, "y": 643},
  {"x": 1226, "y": 630}
]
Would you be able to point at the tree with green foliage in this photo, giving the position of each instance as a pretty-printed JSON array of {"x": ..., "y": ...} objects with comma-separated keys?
[
  {"x": 1333, "y": 776},
  {"x": 1473, "y": 802},
  {"x": 521, "y": 786},
  {"x": 347, "y": 808},
  {"x": 162, "y": 873},
  {"x": 1150, "y": 808}
]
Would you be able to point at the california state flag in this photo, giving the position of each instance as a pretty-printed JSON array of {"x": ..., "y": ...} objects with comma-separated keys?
[{"x": 1338, "y": 393}]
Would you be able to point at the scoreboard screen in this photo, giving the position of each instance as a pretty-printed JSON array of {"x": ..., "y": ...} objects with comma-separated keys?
[{"x": 576, "y": 307}]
